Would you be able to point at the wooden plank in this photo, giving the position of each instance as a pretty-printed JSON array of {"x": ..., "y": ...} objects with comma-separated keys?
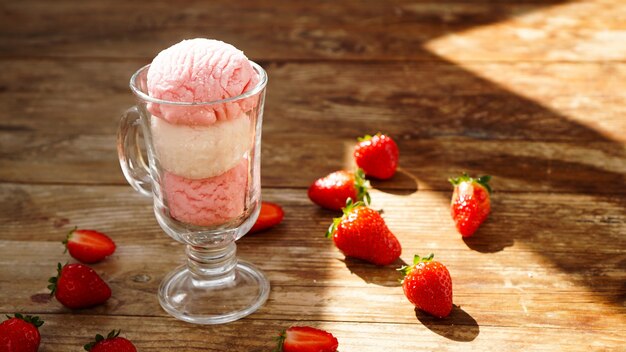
[
  {"x": 463, "y": 123},
  {"x": 70, "y": 332},
  {"x": 284, "y": 263},
  {"x": 522, "y": 258},
  {"x": 390, "y": 30},
  {"x": 546, "y": 272},
  {"x": 40, "y": 212},
  {"x": 595, "y": 168},
  {"x": 326, "y": 289},
  {"x": 416, "y": 100}
]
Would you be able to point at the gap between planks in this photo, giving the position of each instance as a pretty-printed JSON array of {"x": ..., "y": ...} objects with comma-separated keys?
[
  {"x": 433, "y": 322},
  {"x": 433, "y": 190},
  {"x": 348, "y": 61}
]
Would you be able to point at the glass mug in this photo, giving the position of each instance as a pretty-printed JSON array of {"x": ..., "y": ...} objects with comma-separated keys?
[{"x": 205, "y": 184}]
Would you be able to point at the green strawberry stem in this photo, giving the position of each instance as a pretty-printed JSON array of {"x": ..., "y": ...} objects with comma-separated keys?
[
  {"x": 110, "y": 335},
  {"x": 417, "y": 259},
  {"x": 406, "y": 269},
  {"x": 53, "y": 280},
  {"x": 361, "y": 185},
  {"x": 482, "y": 180},
  {"x": 280, "y": 340},
  {"x": 67, "y": 238},
  {"x": 367, "y": 137},
  {"x": 28, "y": 318},
  {"x": 346, "y": 210}
]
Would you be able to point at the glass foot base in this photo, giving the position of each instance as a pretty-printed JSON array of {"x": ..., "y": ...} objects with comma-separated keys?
[{"x": 214, "y": 302}]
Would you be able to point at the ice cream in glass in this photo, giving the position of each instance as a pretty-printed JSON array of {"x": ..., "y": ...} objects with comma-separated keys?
[{"x": 200, "y": 109}]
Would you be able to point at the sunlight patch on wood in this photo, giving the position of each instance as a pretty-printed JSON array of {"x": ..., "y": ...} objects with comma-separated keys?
[{"x": 576, "y": 31}]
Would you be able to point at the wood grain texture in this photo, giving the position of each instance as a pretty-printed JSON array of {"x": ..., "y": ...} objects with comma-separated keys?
[
  {"x": 309, "y": 274},
  {"x": 530, "y": 92},
  {"x": 353, "y": 30},
  {"x": 337, "y": 297},
  {"x": 418, "y": 100},
  {"x": 157, "y": 334},
  {"x": 446, "y": 121}
]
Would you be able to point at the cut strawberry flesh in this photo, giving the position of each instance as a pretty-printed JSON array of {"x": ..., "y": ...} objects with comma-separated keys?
[
  {"x": 271, "y": 215},
  {"x": 89, "y": 246},
  {"x": 88, "y": 239},
  {"x": 306, "y": 339}
]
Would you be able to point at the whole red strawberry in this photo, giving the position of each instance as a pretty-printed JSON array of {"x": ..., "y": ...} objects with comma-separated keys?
[
  {"x": 362, "y": 233},
  {"x": 306, "y": 339},
  {"x": 79, "y": 286},
  {"x": 271, "y": 214},
  {"x": 89, "y": 246},
  {"x": 333, "y": 190},
  {"x": 427, "y": 284},
  {"x": 20, "y": 333},
  {"x": 111, "y": 343},
  {"x": 471, "y": 203},
  {"x": 377, "y": 156}
]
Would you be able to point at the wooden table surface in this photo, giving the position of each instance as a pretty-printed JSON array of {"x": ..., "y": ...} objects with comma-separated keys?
[{"x": 531, "y": 92}]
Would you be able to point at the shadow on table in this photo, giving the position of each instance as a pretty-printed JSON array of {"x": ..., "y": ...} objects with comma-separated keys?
[
  {"x": 458, "y": 326},
  {"x": 387, "y": 276},
  {"x": 402, "y": 177},
  {"x": 488, "y": 240},
  {"x": 561, "y": 178}
]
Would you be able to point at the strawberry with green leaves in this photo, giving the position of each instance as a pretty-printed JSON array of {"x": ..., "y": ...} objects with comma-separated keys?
[
  {"x": 111, "y": 343},
  {"x": 20, "y": 333},
  {"x": 377, "y": 155},
  {"x": 333, "y": 190},
  {"x": 362, "y": 233},
  {"x": 471, "y": 203},
  {"x": 428, "y": 285},
  {"x": 306, "y": 339},
  {"x": 78, "y": 286},
  {"x": 89, "y": 246}
]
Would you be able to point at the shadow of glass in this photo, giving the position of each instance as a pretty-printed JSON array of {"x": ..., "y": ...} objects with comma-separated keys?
[
  {"x": 387, "y": 276},
  {"x": 458, "y": 326}
]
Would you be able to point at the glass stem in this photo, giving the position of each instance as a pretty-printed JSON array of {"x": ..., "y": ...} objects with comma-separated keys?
[{"x": 211, "y": 266}]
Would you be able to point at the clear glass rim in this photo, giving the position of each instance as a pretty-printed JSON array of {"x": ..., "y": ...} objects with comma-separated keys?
[{"x": 143, "y": 96}]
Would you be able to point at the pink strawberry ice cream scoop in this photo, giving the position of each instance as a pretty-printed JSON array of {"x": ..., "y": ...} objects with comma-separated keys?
[
  {"x": 200, "y": 70},
  {"x": 210, "y": 201}
]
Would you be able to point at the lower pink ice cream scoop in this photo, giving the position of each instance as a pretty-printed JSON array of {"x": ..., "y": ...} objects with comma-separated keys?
[{"x": 210, "y": 201}]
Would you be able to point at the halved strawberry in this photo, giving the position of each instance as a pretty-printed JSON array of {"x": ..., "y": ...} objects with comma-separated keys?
[
  {"x": 306, "y": 339},
  {"x": 271, "y": 215},
  {"x": 89, "y": 246}
]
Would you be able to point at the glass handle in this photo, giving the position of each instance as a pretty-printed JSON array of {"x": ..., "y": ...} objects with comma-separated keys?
[{"x": 132, "y": 162}]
